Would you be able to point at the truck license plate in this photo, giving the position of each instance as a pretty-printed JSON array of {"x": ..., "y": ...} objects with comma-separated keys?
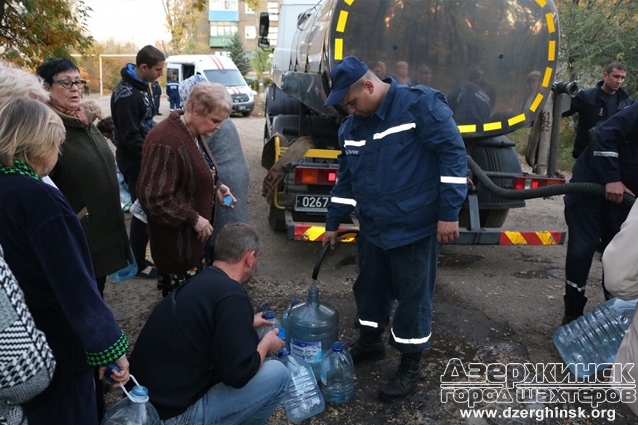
[{"x": 312, "y": 204}]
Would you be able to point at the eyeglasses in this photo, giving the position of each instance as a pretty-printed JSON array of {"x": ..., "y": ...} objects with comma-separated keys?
[{"x": 67, "y": 84}]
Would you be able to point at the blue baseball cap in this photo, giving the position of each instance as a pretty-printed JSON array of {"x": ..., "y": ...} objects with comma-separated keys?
[{"x": 343, "y": 75}]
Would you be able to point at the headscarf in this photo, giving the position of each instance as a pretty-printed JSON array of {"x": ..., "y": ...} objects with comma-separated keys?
[{"x": 187, "y": 85}]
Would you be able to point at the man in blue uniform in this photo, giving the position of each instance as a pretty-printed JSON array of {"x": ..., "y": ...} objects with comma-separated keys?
[
  {"x": 612, "y": 160},
  {"x": 403, "y": 167}
]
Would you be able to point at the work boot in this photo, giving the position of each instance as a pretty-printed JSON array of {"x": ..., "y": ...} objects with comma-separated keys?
[
  {"x": 404, "y": 380},
  {"x": 573, "y": 308},
  {"x": 368, "y": 347}
]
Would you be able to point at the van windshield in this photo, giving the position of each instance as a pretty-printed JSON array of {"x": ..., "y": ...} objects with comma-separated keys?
[{"x": 226, "y": 77}]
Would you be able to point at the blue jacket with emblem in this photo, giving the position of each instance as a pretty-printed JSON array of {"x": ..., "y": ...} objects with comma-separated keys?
[{"x": 402, "y": 169}]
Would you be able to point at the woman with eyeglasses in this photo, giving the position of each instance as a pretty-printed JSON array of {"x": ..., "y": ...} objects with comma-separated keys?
[{"x": 85, "y": 173}]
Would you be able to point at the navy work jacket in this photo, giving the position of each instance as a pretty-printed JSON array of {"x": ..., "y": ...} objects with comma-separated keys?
[
  {"x": 613, "y": 154},
  {"x": 402, "y": 169}
]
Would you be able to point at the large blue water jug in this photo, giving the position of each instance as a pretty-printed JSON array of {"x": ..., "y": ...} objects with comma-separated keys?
[
  {"x": 284, "y": 320},
  {"x": 134, "y": 409},
  {"x": 313, "y": 327},
  {"x": 595, "y": 337},
  {"x": 303, "y": 398},
  {"x": 337, "y": 375}
]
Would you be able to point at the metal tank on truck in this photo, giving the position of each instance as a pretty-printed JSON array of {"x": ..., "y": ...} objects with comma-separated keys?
[{"x": 481, "y": 54}]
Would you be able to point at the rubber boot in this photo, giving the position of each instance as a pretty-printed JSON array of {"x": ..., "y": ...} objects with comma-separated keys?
[
  {"x": 368, "y": 347},
  {"x": 573, "y": 308},
  {"x": 404, "y": 380}
]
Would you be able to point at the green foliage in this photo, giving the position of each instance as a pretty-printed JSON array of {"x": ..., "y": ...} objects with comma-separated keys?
[
  {"x": 182, "y": 19},
  {"x": 261, "y": 61},
  {"x": 595, "y": 33},
  {"x": 32, "y": 31},
  {"x": 238, "y": 54}
]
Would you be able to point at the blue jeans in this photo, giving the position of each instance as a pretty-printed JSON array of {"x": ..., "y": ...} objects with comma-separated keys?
[
  {"x": 406, "y": 274},
  {"x": 252, "y": 404}
]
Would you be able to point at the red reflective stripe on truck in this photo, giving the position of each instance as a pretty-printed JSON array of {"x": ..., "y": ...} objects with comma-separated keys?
[{"x": 554, "y": 237}]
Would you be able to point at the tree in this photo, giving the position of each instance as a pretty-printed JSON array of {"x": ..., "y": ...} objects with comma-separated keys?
[
  {"x": 31, "y": 31},
  {"x": 238, "y": 54},
  {"x": 261, "y": 62},
  {"x": 595, "y": 33},
  {"x": 182, "y": 19}
]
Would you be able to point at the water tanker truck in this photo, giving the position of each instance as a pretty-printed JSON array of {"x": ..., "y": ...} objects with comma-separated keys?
[{"x": 495, "y": 60}]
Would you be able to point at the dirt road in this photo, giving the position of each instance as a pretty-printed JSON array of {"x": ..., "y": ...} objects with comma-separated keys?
[{"x": 494, "y": 304}]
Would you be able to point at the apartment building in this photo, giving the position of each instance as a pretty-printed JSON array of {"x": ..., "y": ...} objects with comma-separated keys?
[{"x": 228, "y": 17}]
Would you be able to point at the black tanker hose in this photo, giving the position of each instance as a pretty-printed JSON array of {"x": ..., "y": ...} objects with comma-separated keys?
[
  {"x": 324, "y": 251},
  {"x": 541, "y": 192}
]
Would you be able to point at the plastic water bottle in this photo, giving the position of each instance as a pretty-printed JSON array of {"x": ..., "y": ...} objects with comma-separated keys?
[
  {"x": 337, "y": 375},
  {"x": 135, "y": 409},
  {"x": 127, "y": 272},
  {"x": 262, "y": 330},
  {"x": 303, "y": 398},
  {"x": 313, "y": 327},
  {"x": 594, "y": 337},
  {"x": 125, "y": 195}
]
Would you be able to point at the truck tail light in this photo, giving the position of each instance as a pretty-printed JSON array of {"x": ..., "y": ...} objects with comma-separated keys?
[
  {"x": 315, "y": 175},
  {"x": 535, "y": 182}
]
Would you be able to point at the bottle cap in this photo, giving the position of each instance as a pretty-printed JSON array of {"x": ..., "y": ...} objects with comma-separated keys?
[
  {"x": 268, "y": 315},
  {"x": 337, "y": 346},
  {"x": 227, "y": 200}
]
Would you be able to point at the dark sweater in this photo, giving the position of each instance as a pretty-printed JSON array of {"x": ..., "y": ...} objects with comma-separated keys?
[
  {"x": 85, "y": 173},
  {"x": 216, "y": 316},
  {"x": 132, "y": 109},
  {"x": 175, "y": 187},
  {"x": 47, "y": 251}
]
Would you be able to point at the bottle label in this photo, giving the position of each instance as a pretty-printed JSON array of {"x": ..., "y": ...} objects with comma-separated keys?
[{"x": 308, "y": 351}]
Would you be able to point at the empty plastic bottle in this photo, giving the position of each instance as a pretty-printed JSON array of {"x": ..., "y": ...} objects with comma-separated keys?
[
  {"x": 135, "y": 409},
  {"x": 270, "y": 315},
  {"x": 313, "y": 327},
  {"x": 303, "y": 399},
  {"x": 127, "y": 272},
  {"x": 595, "y": 337},
  {"x": 337, "y": 375},
  {"x": 125, "y": 195}
]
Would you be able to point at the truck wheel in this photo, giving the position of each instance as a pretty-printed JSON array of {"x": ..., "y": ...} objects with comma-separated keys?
[
  {"x": 488, "y": 218},
  {"x": 276, "y": 219}
]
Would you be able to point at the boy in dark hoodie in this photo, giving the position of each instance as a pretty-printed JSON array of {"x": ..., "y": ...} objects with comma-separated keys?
[{"x": 132, "y": 110}]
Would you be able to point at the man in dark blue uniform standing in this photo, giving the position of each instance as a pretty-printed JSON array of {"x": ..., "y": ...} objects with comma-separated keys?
[
  {"x": 612, "y": 160},
  {"x": 596, "y": 104},
  {"x": 403, "y": 166}
]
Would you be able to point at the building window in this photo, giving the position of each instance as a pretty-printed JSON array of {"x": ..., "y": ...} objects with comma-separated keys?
[
  {"x": 249, "y": 10},
  {"x": 272, "y": 35},
  {"x": 224, "y": 5},
  {"x": 273, "y": 10},
  {"x": 250, "y": 32},
  {"x": 218, "y": 29}
]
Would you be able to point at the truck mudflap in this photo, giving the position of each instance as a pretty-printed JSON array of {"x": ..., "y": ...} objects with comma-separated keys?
[{"x": 495, "y": 236}]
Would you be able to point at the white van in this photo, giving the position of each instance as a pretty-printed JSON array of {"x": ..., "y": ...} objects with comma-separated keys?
[{"x": 216, "y": 69}]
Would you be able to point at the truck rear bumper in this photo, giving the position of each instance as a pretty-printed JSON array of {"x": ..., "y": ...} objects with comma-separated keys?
[{"x": 495, "y": 236}]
